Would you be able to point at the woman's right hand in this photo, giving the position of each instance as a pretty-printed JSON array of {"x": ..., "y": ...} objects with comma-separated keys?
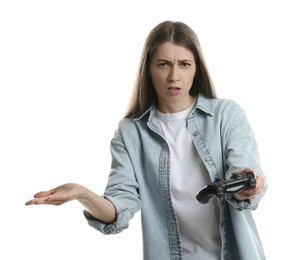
[
  {"x": 98, "y": 206},
  {"x": 59, "y": 195}
]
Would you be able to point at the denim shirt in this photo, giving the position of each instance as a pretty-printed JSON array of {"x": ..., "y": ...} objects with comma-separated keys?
[{"x": 140, "y": 179}]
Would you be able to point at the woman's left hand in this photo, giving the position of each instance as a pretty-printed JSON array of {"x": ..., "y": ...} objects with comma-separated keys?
[{"x": 246, "y": 194}]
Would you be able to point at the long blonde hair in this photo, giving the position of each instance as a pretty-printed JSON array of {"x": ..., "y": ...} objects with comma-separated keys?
[{"x": 144, "y": 94}]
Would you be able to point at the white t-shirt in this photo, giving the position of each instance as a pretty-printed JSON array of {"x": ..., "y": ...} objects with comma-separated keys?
[{"x": 198, "y": 223}]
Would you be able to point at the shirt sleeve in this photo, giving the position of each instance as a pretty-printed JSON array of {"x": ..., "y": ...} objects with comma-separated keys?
[
  {"x": 241, "y": 152},
  {"x": 122, "y": 190}
]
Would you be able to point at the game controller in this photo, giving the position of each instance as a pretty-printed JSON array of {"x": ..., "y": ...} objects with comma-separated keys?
[{"x": 220, "y": 187}]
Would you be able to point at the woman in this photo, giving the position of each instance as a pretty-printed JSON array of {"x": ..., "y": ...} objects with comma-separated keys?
[{"x": 176, "y": 137}]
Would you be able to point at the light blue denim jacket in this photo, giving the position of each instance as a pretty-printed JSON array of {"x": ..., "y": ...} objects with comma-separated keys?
[{"x": 139, "y": 179}]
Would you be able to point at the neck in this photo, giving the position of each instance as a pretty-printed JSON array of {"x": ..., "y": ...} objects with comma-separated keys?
[{"x": 176, "y": 107}]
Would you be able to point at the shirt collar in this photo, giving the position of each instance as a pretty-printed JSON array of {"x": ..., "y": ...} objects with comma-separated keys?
[{"x": 204, "y": 104}]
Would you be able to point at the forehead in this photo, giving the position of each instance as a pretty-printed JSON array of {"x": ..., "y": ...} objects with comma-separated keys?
[{"x": 170, "y": 50}]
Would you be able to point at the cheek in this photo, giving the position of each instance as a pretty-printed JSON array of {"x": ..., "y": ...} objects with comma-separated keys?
[
  {"x": 157, "y": 79},
  {"x": 190, "y": 79},
  {"x": 156, "y": 85},
  {"x": 191, "y": 82}
]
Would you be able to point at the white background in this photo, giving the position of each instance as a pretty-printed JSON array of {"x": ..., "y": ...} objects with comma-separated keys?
[{"x": 66, "y": 73}]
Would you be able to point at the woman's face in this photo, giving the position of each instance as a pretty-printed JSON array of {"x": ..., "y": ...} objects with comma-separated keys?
[{"x": 172, "y": 70}]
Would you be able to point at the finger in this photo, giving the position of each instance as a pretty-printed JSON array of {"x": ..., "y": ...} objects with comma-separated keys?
[
  {"x": 247, "y": 170},
  {"x": 251, "y": 193},
  {"x": 45, "y": 201},
  {"x": 42, "y": 194},
  {"x": 35, "y": 201},
  {"x": 57, "y": 198},
  {"x": 260, "y": 182},
  {"x": 28, "y": 203},
  {"x": 240, "y": 196},
  {"x": 243, "y": 196},
  {"x": 248, "y": 192}
]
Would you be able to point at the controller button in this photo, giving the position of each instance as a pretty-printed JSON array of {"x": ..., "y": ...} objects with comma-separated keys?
[{"x": 219, "y": 191}]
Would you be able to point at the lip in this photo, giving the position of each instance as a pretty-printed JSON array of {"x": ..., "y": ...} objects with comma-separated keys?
[
  {"x": 174, "y": 90},
  {"x": 173, "y": 87}
]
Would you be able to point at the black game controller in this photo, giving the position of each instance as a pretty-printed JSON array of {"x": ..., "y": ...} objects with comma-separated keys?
[{"x": 220, "y": 187}]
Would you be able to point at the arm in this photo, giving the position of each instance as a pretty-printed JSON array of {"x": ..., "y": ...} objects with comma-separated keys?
[
  {"x": 98, "y": 206},
  {"x": 109, "y": 213},
  {"x": 241, "y": 153}
]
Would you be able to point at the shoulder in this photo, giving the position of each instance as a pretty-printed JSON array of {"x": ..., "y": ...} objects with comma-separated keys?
[
  {"x": 218, "y": 106},
  {"x": 125, "y": 125},
  {"x": 130, "y": 127},
  {"x": 228, "y": 105}
]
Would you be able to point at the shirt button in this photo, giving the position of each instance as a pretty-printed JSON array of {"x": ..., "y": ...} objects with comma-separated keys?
[
  {"x": 195, "y": 133},
  {"x": 208, "y": 158}
]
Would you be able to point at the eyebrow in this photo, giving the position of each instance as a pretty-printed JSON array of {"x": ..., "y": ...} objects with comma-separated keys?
[{"x": 168, "y": 60}]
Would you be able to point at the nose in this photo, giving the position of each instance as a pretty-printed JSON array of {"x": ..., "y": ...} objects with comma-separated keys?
[{"x": 173, "y": 74}]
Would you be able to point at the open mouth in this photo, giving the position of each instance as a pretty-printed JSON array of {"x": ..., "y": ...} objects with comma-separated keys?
[{"x": 173, "y": 90}]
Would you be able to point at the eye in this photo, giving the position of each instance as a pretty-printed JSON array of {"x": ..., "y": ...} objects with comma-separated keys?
[
  {"x": 163, "y": 64},
  {"x": 185, "y": 64}
]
